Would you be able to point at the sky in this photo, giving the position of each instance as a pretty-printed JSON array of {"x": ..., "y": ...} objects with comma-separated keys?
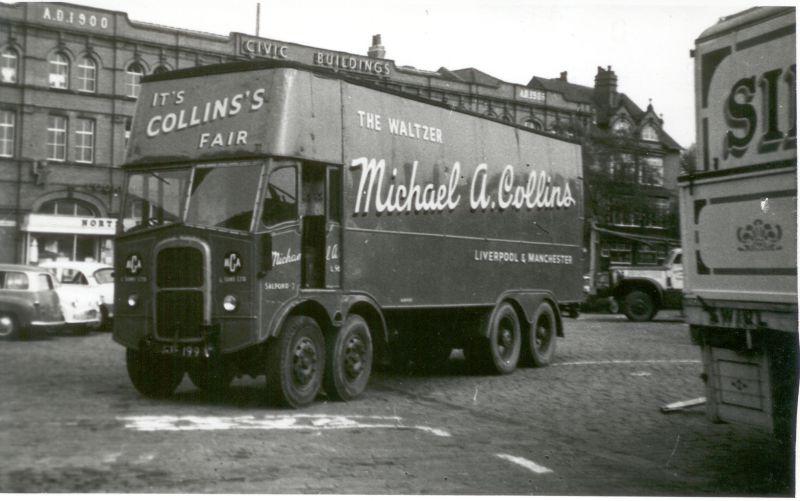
[{"x": 646, "y": 44}]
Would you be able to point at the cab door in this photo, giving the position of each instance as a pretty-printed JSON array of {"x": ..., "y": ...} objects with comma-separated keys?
[
  {"x": 280, "y": 237},
  {"x": 333, "y": 228}
]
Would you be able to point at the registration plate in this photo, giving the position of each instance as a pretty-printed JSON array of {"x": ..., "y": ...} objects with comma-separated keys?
[{"x": 184, "y": 351}]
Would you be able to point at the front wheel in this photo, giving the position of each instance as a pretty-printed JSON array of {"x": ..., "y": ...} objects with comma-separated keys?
[
  {"x": 349, "y": 359},
  {"x": 153, "y": 375},
  {"x": 639, "y": 306},
  {"x": 296, "y": 363}
]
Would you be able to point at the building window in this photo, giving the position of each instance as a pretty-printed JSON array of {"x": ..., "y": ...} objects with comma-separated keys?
[
  {"x": 67, "y": 207},
  {"x": 649, "y": 133},
  {"x": 128, "y": 125},
  {"x": 84, "y": 140},
  {"x": 133, "y": 78},
  {"x": 646, "y": 255},
  {"x": 59, "y": 71},
  {"x": 8, "y": 66},
  {"x": 651, "y": 172},
  {"x": 7, "y": 119},
  {"x": 87, "y": 75},
  {"x": 617, "y": 252},
  {"x": 659, "y": 214},
  {"x": 57, "y": 138},
  {"x": 621, "y": 126},
  {"x": 160, "y": 69}
]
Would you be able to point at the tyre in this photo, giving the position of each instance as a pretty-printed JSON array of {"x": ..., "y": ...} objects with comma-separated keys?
[
  {"x": 9, "y": 327},
  {"x": 153, "y": 375},
  {"x": 542, "y": 337},
  {"x": 499, "y": 351},
  {"x": 349, "y": 359},
  {"x": 296, "y": 363},
  {"x": 212, "y": 377},
  {"x": 639, "y": 306}
]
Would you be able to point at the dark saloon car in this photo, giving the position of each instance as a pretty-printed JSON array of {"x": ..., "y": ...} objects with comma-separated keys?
[{"x": 28, "y": 300}]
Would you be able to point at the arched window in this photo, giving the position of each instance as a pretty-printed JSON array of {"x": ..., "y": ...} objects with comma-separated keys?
[
  {"x": 8, "y": 66},
  {"x": 87, "y": 75},
  {"x": 649, "y": 133},
  {"x": 160, "y": 69},
  {"x": 59, "y": 71},
  {"x": 621, "y": 126},
  {"x": 133, "y": 78},
  {"x": 68, "y": 207}
]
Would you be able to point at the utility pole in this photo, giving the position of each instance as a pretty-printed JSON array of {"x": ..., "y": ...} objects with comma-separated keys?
[{"x": 258, "y": 17}]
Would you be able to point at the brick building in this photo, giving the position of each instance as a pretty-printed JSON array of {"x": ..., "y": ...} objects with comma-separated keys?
[{"x": 69, "y": 79}]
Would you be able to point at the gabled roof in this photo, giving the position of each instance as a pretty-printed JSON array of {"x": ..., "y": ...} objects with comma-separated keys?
[
  {"x": 633, "y": 109},
  {"x": 472, "y": 75},
  {"x": 449, "y": 75},
  {"x": 570, "y": 91}
]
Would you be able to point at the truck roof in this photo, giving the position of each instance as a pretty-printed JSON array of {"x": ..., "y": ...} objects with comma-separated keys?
[
  {"x": 741, "y": 19},
  {"x": 245, "y": 66}
]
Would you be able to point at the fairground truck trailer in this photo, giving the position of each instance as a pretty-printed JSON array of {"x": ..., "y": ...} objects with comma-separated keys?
[
  {"x": 739, "y": 220},
  {"x": 288, "y": 221}
]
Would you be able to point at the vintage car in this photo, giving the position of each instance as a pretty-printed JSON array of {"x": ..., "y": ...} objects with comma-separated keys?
[
  {"x": 28, "y": 301},
  {"x": 96, "y": 278}
]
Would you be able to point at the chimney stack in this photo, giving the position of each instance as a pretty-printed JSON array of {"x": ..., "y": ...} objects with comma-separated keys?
[
  {"x": 605, "y": 88},
  {"x": 563, "y": 76},
  {"x": 377, "y": 50}
]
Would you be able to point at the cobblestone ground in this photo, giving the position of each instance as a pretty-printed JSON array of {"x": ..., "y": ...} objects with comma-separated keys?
[{"x": 587, "y": 425}]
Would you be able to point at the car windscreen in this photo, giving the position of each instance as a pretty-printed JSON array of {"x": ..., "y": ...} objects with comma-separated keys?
[{"x": 104, "y": 276}]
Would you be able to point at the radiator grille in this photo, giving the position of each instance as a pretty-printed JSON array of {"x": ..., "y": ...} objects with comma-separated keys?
[
  {"x": 179, "y": 267},
  {"x": 179, "y": 314}
]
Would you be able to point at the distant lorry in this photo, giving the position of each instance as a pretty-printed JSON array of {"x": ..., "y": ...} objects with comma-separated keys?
[
  {"x": 641, "y": 291},
  {"x": 739, "y": 219},
  {"x": 288, "y": 221}
]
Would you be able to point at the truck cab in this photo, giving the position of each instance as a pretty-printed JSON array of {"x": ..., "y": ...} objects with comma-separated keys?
[{"x": 641, "y": 291}]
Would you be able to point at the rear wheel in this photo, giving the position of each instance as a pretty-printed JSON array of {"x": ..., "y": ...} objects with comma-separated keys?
[
  {"x": 296, "y": 363},
  {"x": 542, "y": 338},
  {"x": 349, "y": 359},
  {"x": 639, "y": 306},
  {"x": 498, "y": 352},
  {"x": 9, "y": 327},
  {"x": 153, "y": 375}
]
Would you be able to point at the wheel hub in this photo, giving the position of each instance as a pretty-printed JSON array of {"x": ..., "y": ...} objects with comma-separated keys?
[
  {"x": 5, "y": 326},
  {"x": 304, "y": 362},
  {"x": 354, "y": 357}
]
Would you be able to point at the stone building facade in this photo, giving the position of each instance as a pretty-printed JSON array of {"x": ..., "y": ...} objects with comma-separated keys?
[{"x": 69, "y": 79}]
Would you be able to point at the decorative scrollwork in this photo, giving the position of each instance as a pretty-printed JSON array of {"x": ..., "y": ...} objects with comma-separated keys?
[{"x": 759, "y": 236}]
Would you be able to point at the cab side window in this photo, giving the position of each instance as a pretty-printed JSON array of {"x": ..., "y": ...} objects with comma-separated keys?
[{"x": 280, "y": 198}]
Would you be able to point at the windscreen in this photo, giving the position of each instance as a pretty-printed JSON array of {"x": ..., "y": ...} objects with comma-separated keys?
[{"x": 222, "y": 196}]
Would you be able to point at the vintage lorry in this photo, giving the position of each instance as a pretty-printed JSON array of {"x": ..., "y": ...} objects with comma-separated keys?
[
  {"x": 284, "y": 220},
  {"x": 739, "y": 219},
  {"x": 641, "y": 291}
]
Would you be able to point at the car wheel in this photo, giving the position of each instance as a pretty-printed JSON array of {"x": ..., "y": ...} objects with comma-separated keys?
[
  {"x": 153, "y": 375},
  {"x": 639, "y": 306},
  {"x": 542, "y": 338},
  {"x": 9, "y": 327},
  {"x": 349, "y": 359},
  {"x": 295, "y": 363}
]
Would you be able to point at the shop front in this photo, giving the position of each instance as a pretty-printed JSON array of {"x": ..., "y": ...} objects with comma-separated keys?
[{"x": 74, "y": 238}]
